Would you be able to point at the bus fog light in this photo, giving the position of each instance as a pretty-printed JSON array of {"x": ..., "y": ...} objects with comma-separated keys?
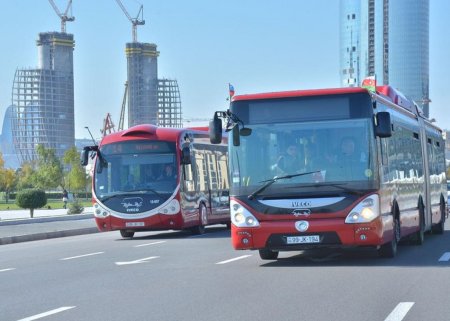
[
  {"x": 363, "y": 237},
  {"x": 245, "y": 241}
]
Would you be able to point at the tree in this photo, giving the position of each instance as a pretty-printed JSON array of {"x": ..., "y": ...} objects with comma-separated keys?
[
  {"x": 32, "y": 199},
  {"x": 8, "y": 179},
  {"x": 75, "y": 178},
  {"x": 25, "y": 176},
  {"x": 49, "y": 173}
]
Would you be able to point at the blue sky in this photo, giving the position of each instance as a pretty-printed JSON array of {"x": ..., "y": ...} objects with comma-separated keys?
[{"x": 257, "y": 45}]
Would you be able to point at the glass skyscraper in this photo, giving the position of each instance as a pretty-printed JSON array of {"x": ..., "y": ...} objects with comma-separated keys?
[{"x": 393, "y": 45}]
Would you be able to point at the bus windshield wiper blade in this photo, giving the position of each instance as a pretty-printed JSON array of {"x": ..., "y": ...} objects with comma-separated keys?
[
  {"x": 143, "y": 191},
  {"x": 132, "y": 192},
  {"x": 273, "y": 180},
  {"x": 338, "y": 185}
]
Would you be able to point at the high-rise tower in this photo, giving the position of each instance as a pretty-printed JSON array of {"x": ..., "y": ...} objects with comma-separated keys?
[
  {"x": 142, "y": 74},
  {"x": 43, "y": 99},
  {"x": 393, "y": 44}
]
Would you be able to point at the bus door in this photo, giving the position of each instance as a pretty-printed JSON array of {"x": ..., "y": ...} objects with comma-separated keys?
[
  {"x": 188, "y": 194},
  {"x": 427, "y": 152}
]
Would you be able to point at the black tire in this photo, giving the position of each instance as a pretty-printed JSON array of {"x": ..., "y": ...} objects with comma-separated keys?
[
  {"x": 268, "y": 255},
  {"x": 439, "y": 227},
  {"x": 203, "y": 221},
  {"x": 419, "y": 236},
  {"x": 389, "y": 250},
  {"x": 127, "y": 234}
]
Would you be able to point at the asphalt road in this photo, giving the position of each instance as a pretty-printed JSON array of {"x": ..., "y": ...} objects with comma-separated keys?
[{"x": 177, "y": 276}]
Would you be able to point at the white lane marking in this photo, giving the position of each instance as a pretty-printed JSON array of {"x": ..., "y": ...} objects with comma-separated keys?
[
  {"x": 400, "y": 311},
  {"x": 235, "y": 259},
  {"x": 9, "y": 269},
  {"x": 445, "y": 257},
  {"x": 46, "y": 314},
  {"x": 79, "y": 256},
  {"x": 144, "y": 260},
  {"x": 153, "y": 243}
]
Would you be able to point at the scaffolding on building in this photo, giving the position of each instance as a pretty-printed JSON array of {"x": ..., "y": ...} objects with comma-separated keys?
[
  {"x": 169, "y": 104},
  {"x": 43, "y": 99}
]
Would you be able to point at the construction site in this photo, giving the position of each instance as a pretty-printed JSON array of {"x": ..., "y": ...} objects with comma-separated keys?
[
  {"x": 147, "y": 99},
  {"x": 43, "y": 98}
]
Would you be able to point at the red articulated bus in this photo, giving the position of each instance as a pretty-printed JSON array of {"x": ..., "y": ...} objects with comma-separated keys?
[
  {"x": 150, "y": 178},
  {"x": 334, "y": 168}
]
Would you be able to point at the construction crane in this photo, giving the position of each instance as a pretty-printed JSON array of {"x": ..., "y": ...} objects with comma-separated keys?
[
  {"x": 108, "y": 126},
  {"x": 134, "y": 21},
  {"x": 64, "y": 17},
  {"x": 122, "y": 111}
]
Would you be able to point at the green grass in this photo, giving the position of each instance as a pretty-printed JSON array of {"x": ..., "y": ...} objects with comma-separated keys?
[{"x": 54, "y": 204}]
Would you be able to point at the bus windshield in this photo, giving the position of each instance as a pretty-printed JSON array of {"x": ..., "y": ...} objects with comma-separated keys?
[
  {"x": 332, "y": 155},
  {"x": 136, "y": 167}
]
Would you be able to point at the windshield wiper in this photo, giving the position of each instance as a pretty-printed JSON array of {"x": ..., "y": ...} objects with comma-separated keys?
[
  {"x": 142, "y": 191},
  {"x": 273, "y": 180},
  {"x": 132, "y": 192},
  {"x": 338, "y": 185}
]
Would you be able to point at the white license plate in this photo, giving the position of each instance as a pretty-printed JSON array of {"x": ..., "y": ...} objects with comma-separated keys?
[
  {"x": 303, "y": 239},
  {"x": 134, "y": 224}
]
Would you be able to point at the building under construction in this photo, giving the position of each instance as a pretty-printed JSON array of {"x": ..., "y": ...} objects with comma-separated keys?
[
  {"x": 142, "y": 74},
  {"x": 43, "y": 99},
  {"x": 169, "y": 104}
]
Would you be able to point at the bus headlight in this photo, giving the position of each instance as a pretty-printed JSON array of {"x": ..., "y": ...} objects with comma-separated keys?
[
  {"x": 99, "y": 211},
  {"x": 241, "y": 217},
  {"x": 172, "y": 208},
  {"x": 366, "y": 211}
]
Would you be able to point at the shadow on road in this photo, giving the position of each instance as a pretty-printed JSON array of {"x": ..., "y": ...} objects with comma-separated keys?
[
  {"x": 215, "y": 231},
  {"x": 408, "y": 255}
]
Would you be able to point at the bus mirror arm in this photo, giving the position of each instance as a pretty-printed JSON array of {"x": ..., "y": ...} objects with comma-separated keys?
[
  {"x": 85, "y": 154},
  {"x": 233, "y": 124},
  {"x": 383, "y": 126}
]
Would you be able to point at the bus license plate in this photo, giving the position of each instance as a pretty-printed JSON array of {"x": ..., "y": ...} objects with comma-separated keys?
[
  {"x": 134, "y": 224},
  {"x": 303, "y": 239}
]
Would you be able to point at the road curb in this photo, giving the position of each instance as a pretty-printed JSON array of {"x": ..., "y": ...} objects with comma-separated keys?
[
  {"x": 67, "y": 217},
  {"x": 47, "y": 235}
]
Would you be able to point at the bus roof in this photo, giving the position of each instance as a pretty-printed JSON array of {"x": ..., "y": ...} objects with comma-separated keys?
[
  {"x": 301, "y": 93},
  {"x": 147, "y": 131},
  {"x": 387, "y": 92}
]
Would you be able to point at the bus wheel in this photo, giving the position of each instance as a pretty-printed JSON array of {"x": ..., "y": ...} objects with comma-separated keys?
[
  {"x": 419, "y": 237},
  {"x": 126, "y": 234},
  {"x": 390, "y": 249},
  {"x": 268, "y": 255},
  {"x": 203, "y": 221},
  {"x": 439, "y": 228}
]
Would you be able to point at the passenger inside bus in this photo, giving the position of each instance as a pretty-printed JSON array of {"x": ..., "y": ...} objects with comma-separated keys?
[
  {"x": 290, "y": 162},
  {"x": 149, "y": 175},
  {"x": 350, "y": 163},
  {"x": 168, "y": 173}
]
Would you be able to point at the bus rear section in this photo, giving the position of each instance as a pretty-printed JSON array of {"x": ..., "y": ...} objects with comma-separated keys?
[
  {"x": 334, "y": 168},
  {"x": 140, "y": 183}
]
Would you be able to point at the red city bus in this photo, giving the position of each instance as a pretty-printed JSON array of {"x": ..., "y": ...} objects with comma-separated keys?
[
  {"x": 149, "y": 178},
  {"x": 334, "y": 168}
]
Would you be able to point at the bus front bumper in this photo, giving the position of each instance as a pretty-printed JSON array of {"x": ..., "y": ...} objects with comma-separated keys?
[{"x": 328, "y": 233}]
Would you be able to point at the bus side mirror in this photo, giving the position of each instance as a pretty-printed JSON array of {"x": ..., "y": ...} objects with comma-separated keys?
[
  {"x": 236, "y": 135},
  {"x": 215, "y": 130},
  {"x": 185, "y": 156},
  {"x": 383, "y": 126},
  {"x": 84, "y": 156}
]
